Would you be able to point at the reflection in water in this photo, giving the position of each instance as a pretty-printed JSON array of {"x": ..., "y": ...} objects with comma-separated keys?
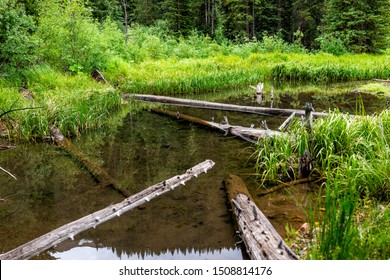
[{"x": 85, "y": 251}]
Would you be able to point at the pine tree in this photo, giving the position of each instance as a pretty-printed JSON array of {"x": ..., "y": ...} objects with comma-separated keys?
[
  {"x": 306, "y": 18},
  {"x": 238, "y": 18},
  {"x": 363, "y": 26}
]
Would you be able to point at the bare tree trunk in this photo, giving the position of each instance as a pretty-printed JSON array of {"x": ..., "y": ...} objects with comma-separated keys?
[
  {"x": 124, "y": 3},
  {"x": 248, "y": 33},
  {"x": 212, "y": 18},
  {"x": 253, "y": 20},
  {"x": 279, "y": 14}
]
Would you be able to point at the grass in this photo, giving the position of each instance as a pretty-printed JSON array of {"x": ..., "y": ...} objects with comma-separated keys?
[
  {"x": 194, "y": 75},
  {"x": 353, "y": 154},
  {"x": 73, "y": 103}
]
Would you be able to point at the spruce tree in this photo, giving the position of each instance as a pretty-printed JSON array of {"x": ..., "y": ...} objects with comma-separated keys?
[
  {"x": 362, "y": 26},
  {"x": 306, "y": 18}
]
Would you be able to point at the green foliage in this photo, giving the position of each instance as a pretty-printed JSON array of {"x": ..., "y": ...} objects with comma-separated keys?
[
  {"x": 72, "y": 102},
  {"x": 353, "y": 154},
  {"x": 332, "y": 45},
  {"x": 69, "y": 37},
  {"x": 16, "y": 27},
  {"x": 361, "y": 26}
]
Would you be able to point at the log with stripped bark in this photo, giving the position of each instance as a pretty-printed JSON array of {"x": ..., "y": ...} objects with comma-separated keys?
[
  {"x": 219, "y": 106},
  {"x": 261, "y": 239},
  {"x": 247, "y": 133},
  {"x": 69, "y": 230}
]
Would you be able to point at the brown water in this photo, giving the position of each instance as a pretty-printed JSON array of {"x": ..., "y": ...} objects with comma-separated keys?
[{"x": 192, "y": 222}]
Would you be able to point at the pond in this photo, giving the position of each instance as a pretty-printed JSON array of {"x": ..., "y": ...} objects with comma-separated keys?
[{"x": 191, "y": 222}]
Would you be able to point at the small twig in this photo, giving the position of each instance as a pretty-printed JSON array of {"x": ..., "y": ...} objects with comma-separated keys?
[
  {"x": 286, "y": 185},
  {"x": 20, "y": 109},
  {"x": 9, "y": 173}
]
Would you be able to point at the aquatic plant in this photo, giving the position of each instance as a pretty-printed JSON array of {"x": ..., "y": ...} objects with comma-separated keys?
[{"x": 353, "y": 154}]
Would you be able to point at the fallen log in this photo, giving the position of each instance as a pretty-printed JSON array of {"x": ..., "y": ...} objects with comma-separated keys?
[
  {"x": 219, "y": 106},
  {"x": 69, "y": 230},
  {"x": 7, "y": 172},
  {"x": 381, "y": 80},
  {"x": 100, "y": 175},
  {"x": 247, "y": 133},
  {"x": 259, "y": 236},
  {"x": 286, "y": 122}
]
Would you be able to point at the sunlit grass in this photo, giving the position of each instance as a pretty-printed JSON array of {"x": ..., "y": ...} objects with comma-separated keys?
[
  {"x": 71, "y": 102},
  {"x": 193, "y": 75}
]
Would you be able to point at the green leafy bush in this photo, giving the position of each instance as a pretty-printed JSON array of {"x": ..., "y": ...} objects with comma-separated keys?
[{"x": 17, "y": 45}]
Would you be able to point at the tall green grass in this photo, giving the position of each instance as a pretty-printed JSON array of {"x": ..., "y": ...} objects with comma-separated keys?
[
  {"x": 193, "y": 75},
  {"x": 71, "y": 102},
  {"x": 353, "y": 154}
]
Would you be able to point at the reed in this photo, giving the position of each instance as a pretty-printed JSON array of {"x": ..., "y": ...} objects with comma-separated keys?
[
  {"x": 194, "y": 75},
  {"x": 353, "y": 154},
  {"x": 72, "y": 102}
]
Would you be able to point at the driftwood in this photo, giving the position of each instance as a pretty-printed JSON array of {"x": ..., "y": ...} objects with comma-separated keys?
[
  {"x": 247, "y": 133},
  {"x": 98, "y": 76},
  {"x": 69, "y": 230},
  {"x": 260, "y": 238},
  {"x": 286, "y": 122},
  {"x": 7, "y": 172},
  {"x": 100, "y": 175},
  {"x": 219, "y": 106},
  {"x": 382, "y": 81}
]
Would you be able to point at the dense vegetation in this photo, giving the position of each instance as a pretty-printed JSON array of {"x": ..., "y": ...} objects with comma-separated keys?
[
  {"x": 352, "y": 153},
  {"x": 49, "y": 48}
]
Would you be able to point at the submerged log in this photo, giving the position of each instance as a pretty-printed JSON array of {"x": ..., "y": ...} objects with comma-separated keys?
[
  {"x": 69, "y": 230},
  {"x": 286, "y": 185},
  {"x": 247, "y": 133},
  {"x": 100, "y": 175},
  {"x": 381, "y": 80},
  {"x": 260, "y": 237},
  {"x": 220, "y": 106},
  {"x": 7, "y": 172}
]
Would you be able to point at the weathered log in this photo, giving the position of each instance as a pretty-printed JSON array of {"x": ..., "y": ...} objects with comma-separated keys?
[
  {"x": 100, "y": 175},
  {"x": 260, "y": 238},
  {"x": 98, "y": 76},
  {"x": 286, "y": 122},
  {"x": 382, "y": 81},
  {"x": 7, "y": 172},
  {"x": 69, "y": 230},
  {"x": 7, "y": 147},
  {"x": 220, "y": 106},
  {"x": 246, "y": 133}
]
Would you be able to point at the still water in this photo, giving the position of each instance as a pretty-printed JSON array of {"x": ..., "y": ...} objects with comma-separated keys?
[{"x": 191, "y": 222}]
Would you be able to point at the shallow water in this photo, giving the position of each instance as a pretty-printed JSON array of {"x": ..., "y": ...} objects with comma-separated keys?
[{"x": 191, "y": 222}]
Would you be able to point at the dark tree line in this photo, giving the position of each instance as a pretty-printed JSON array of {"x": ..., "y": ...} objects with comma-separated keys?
[
  {"x": 360, "y": 25},
  {"x": 355, "y": 25}
]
